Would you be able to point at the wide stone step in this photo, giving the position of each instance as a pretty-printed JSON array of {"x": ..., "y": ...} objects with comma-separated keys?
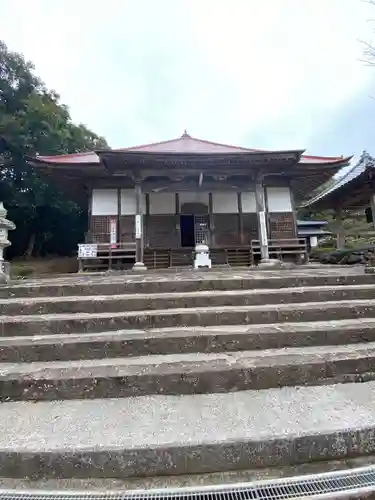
[
  {"x": 313, "y": 470},
  {"x": 185, "y": 340},
  {"x": 200, "y": 316},
  {"x": 138, "y": 302},
  {"x": 159, "y": 435},
  {"x": 187, "y": 282},
  {"x": 195, "y": 373}
]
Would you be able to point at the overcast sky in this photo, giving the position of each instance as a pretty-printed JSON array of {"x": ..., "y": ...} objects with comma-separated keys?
[{"x": 258, "y": 73}]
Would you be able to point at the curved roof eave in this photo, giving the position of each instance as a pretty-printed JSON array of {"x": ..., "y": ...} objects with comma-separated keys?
[
  {"x": 184, "y": 144},
  {"x": 365, "y": 162}
]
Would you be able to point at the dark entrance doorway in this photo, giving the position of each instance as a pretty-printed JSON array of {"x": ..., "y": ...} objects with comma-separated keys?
[{"x": 187, "y": 228}]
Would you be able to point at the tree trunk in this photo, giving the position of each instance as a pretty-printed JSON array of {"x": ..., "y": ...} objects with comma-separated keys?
[
  {"x": 340, "y": 237},
  {"x": 30, "y": 246},
  {"x": 340, "y": 231}
]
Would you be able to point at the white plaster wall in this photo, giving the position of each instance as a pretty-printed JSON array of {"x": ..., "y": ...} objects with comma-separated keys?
[
  {"x": 162, "y": 203},
  {"x": 104, "y": 202},
  {"x": 224, "y": 202},
  {"x": 248, "y": 202},
  {"x": 193, "y": 197},
  {"x": 279, "y": 199},
  {"x": 128, "y": 204}
]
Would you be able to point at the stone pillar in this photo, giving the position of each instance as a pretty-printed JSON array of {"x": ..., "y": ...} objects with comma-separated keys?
[
  {"x": 261, "y": 216},
  {"x": 5, "y": 226},
  {"x": 139, "y": 240}
]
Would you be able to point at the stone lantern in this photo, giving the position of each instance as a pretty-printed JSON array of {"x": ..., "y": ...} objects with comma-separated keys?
[
  {"x": 5, "y": 226},
  {"x": 202, "y": 256}
]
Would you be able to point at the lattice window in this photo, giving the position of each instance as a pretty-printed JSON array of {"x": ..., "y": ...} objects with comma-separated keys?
[
  {"x": 201, "y": 229},
  {"x": 282, "y": 225},
  {"x": 100, "y": 228}
]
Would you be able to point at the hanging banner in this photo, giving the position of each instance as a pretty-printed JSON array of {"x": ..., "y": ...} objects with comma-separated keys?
[
  {"x": 138, "y": 226},
  {"x": 113, "y": 231}
]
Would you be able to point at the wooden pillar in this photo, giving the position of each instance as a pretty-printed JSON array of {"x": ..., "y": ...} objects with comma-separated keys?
[
  {"x": 294, "y": 209},
  {"x": 240, "y": 217},
  {"x": 211, "y": 224},
  {"x": 177, "y": 219},
  {"x": 139, "y": 242},
  {"x": 88, "y": 234},
  {"x": 261, "y": 216},
  {"x": 118, "y": 221}
]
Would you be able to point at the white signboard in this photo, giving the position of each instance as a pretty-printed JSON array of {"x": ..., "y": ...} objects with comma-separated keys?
[
  {"x": 87, "y": 250},
  {"x": 138, "y": 227},
  {"x": 113, "y": 231},
  {"x": 263, "y": 229}
]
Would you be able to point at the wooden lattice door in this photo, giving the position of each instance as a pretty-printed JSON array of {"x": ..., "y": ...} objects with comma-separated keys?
[{"x": 201, "y": 229}]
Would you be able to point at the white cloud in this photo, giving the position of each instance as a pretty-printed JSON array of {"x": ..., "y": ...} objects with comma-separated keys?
[{"x": 227, "y": 70}]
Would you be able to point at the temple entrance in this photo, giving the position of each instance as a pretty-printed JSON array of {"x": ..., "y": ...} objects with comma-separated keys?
[
  {"x": 194, "y": 224},
  {"x": 193, "y": 229},
  {"x": 187, "y": 228}
]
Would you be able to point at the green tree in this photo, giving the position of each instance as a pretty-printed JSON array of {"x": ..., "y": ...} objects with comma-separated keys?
[{"x": 32, "y": 120}]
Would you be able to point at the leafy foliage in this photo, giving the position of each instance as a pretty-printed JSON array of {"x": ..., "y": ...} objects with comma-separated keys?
[{"x": 32, "y": 120}]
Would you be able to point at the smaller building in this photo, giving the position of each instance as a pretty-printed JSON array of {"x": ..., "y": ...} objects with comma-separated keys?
[
  {"x": 355, "y": 190},
  {"x": 312, "y": 230},
  {"x": 354, "y": 193}
]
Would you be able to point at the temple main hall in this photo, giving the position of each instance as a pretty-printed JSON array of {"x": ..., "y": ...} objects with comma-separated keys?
[{"x": 155, "y": 202}]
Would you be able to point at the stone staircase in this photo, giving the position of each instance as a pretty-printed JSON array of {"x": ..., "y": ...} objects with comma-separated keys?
[{"x": 185, "y": 373}]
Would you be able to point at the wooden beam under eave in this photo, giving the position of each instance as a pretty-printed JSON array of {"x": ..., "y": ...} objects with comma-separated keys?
[{"x": 193, "y": 186}]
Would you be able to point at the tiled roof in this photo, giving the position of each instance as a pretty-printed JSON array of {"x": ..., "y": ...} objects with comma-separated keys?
[
  {"x": 365, "y": 162},
  {"x": 184, "y": 144}
]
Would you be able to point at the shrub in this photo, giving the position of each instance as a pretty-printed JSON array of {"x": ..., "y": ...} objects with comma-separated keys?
[
  {"x": 317, "y": 251},
  {"x": 20, "y": 271}
]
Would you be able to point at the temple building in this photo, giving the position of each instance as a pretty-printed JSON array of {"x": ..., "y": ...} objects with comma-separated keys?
[
  {"x": 353, "y": 192},
  {"x": 159, "y": 200}
]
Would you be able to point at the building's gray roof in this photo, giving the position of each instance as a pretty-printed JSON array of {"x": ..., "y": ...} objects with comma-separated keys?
[
  {"x": 312, "y": 232},
  {"x": 365, "y": 162},
  {"x": 301, "y": 223}
]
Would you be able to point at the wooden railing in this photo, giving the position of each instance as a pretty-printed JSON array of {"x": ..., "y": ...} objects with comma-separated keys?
[
  {"x": 122, "y": 255},
  {"x": 292, "y": 248}
]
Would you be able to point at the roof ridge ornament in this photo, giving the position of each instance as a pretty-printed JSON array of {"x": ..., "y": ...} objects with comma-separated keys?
[{"x": 185, "y": 135}]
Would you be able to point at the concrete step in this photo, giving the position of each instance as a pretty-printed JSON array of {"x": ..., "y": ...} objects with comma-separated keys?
[
  {"x": 195, "y": 373},
  {"x": 138, "y": 302},
  {"x": 230, "y": 338},
  {"x": 234, "y": 477},
  {"x": 48, "y": 324},
  {"x": 185, "y": 282},
  {"x": 160, "y": 435}
]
